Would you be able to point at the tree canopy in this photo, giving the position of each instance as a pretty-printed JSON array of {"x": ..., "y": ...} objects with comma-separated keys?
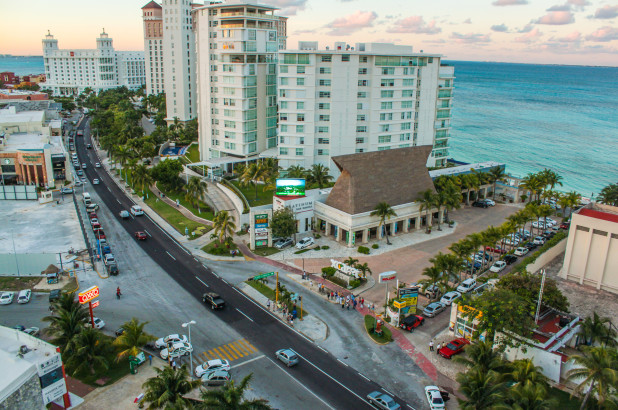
[{"x": 283, "y": 223}]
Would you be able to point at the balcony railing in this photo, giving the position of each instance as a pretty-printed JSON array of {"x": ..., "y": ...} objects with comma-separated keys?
[{"x": 253, "y": 15}]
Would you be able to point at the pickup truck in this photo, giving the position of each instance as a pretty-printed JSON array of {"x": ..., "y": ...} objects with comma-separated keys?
[{"x": 213, "y": 300}]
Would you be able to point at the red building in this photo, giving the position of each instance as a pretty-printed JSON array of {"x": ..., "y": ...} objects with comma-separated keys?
[{"x": 8, "y": 77}]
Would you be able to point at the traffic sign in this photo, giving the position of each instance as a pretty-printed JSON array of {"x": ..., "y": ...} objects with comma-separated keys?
[
  {"x": 263, "y": 275},
  {"x": 95, "y": 304}
]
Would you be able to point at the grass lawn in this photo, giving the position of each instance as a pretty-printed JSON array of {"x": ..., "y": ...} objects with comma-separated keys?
[
  {"x": 17, "y": 283},
  {"x": 266, "y": 251},
  {"x": 175, "y": 218},
  {"x": 301, "y": 251},
  {"x": 386, "y": 333},
  {"x": 206, "y": 211},
  {"x": 263, "y": 197},
  {"x": 193, "y": 153},
  {"x": 215, "y": 248},
  {"x": 565, "y": 401}
]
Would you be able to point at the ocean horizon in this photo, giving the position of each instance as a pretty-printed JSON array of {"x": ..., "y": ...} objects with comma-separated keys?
[{"x": 528, "y": 116}]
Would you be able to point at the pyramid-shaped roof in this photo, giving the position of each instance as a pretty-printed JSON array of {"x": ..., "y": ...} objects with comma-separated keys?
[
  {"x": 152, "y": 5},
  {"x": 395, "y": 176}
]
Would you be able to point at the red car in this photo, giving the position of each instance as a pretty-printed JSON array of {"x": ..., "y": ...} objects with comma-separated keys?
[
  {"x": 96, "y": 226},
  {"x": 141, "y": 236},
  {"x": 99, "y": 234},
  {"x": 92, "y": 215},
  {"x": 495, "y": 250},
  {"x": 412, "y": 322},
  {"x": 454, "y": 347},
  {"x": 565, "y": 225}
]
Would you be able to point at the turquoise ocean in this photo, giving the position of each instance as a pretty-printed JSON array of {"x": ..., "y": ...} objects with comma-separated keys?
[{"x": 528, "y": 116}]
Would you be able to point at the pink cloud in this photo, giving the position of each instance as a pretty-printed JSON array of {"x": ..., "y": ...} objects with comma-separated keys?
[
  {"x": 509, "y": 2},
  {"x": 414, "y": 24},
  {"x": 578, "y": 3},
  {"x": 288, "y": 7},
  {"x": 557, "y": 18},
  {"x": 604, "y": 34},
  {"x": 607, "y": 12},
  {"x": 530, "y": 37},
  {"x": 352, "y": 23},
  {"x": 470, "y": 38},
  {"x": 574, "y": 37}
]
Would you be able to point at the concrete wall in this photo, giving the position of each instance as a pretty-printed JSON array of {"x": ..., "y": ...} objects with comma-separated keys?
[
  {"x": 27, "y": 396},
  {"x": 550, "y": 363},
  {"x": 236, "y": 201},
  {"x": 547, "y": 257}
]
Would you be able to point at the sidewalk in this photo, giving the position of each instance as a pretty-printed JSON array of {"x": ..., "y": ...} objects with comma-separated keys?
[
  {"x": 188, "y": 214},
  {"x": 216, "y": 198}
]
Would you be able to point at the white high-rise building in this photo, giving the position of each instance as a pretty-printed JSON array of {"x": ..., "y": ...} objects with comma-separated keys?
[
  {"x": 152, "y": 14},
  {"x": 71, "y": 71},
  {"x": 371, "y": 97},
  {"x": 179, "y": 60},
  {"x": 237, "y": 45}
]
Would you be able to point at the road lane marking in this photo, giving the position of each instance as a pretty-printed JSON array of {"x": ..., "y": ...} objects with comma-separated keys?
[
  {"x": 249, "y": 346},
  {"x": 170, "y": 255},
  {"x": 387, "y": 391},
  {"x": 345, "y": 364},
  {"x": 203, "y": 283},
  {"x": 305, "y": 387},
  {"x": 109, "y": 189},
  {"x": 225, "y": 281},
  {"x": 239, "y": 311},
  {"x": 322, "y": 349},
  {"x": 118, "y": 201},
  {"x": 222, "y": 353},
  {"x": 146, "y": 232},
  {"x": 214, "y": 273},
  {"x": 247, "y": 361},
  {"x": 364, "y": 377},
  {"x": 410, "y": 406},
  {"x": 196, "y": 259}
]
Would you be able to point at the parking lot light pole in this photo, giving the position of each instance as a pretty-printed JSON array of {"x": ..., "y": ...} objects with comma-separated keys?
[{"x": 188, "y": 324}]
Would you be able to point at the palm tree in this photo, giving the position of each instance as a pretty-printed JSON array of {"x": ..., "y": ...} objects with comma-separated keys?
[
  {"x": 476, "y": 240},
  {"x": 496, "y": 174},
  {"x": 253, "y": 174},
  {"x": 462, "y": 250},
  {"x": 176, "y": 129},
  {"x": 66, "y": 324},
  {"x": 609, "y": 195},
  {"x": 449, "y": 266},
  {"x": 482, "y": 356},
  {"x": 482, "y": 390},
  {"x": 296, "y": 171},
  {"x": 573, "y": 199},
  {"x": 524, "y": 371},
  {"x": 167, "y": 389},
  {"x": 427, "y": 200},
  {"x": 122, "y": 154},
  {"x": 544, "y": 212},
  {"x": 88, "y": 351},
  {"x": 434, "y": 275},
  {"x": 132, "y": 339},
  {"x": 319, "y": 175},
  {"x": 466, "y": 181},
  {"x": 142, "y": 177},
  {"x": 595, "y": 329},
  {"x": 230, "y": 397},
  {"x": 364, "y": 268},
  {"x": 452, "y": 195},
  {"x": 350, "y": 261},
  {"x": 530, "y": 396},
  {"x": 532, "y": 183},
  {"x": 196, "y": 188},
  {"x": 383, "y": 211},
  {"x": 224, "y": 225},
  {"x": 598, "y": 372},
  {"x": 551, "y": 178}
]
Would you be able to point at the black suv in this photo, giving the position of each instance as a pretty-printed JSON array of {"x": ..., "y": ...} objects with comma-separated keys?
[
  {"x": 480, "y": 204},
  {"x": 509, "y": 259},
  {"x": 213, "y": 300}
]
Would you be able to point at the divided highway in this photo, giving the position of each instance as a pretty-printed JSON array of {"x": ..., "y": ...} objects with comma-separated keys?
[{"x": 333, "y": 381}]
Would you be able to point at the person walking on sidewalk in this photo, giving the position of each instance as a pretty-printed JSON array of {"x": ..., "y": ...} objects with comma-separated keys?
[
  {"x": 431, "y": 345},
  {"x": 439, "y": 347},
  {"x": 355, "y": 302},
  {"x": 268, "y": 304}
]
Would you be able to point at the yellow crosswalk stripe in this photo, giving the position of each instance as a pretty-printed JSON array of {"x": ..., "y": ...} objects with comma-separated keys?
[
  {"x": 223, "y": 354},
  {"x": 242, "y": 348},
  {"x": 206, "y": 356},
  {"x": 214, "y": 354},
  {"x": 248, "y": 345},
  {"x": 239, "y": 353},
  {"x": 227, "y": 349}
]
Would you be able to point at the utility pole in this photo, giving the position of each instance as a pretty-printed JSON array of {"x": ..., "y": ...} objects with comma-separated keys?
[
  {"x": 277, "y": 289},
  {"x": 538, "y": 306}
]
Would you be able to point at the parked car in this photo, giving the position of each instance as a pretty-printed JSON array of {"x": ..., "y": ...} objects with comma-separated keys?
[
  {"x": 412, "y": 322},
  {"x": 109, "y": 259},
  {"x": 511, "y": 241},
  {"x": 509, "y": 259},
  {"x": 7, "y": 298},
  {"x": 433, "y": 309},
  {"x": 88, "y": 146},
  {"x": 32, "y": 331},
  {"x": 287, "y": 356},
  {"x": 466, "y": 286},
  {"x": 521, "y": 251},
  {"x": 382, "y": 401},
  {"x": 548, "y": 234},
  {"x": 432, "y": 291},
  {"x": 530, "y": 245},
  {"x": 161, "y": 342},
  {"x": 489, "y": 202},
  {"x": 119, "y": 331},
  {"x": 210, "y": 366},
  {"x": 79, "y": 172},
  {"x": 434, "y": 398},
  {"x": 216, "y": 378},
  {"x": 95, "y": 181},
  {"x": 486, "y": 255},
  {"x": 65, "y": 190},
  {"x": 539, "y": 240},
  {"x": 282, "y": 243},
  {"x": 98, "y": 323},
  {"x": 454, "y": 347},
  {"x": 97, "y": 165},
  {"x": 213, "y": 300},
  {"x": 177, "y": 349},
  {"x": 449, "y": 298},
  {"x": 565, "y": 225},
  {"x": 498, "y": 266},
  {"x": 141, "y": 236},
  {"x": 480, "y": 204},
  {"x": 84, "y": 165},
  {"x": 24, "y": 296},
  {"x": 497, "y": 250},
  {"x": 305, "y": 242},
  {"x": 94, "y": 221}
]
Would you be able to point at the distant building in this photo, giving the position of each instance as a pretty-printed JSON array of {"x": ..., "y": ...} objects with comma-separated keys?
[
  {"x": 32, "y": 372},
  {"x": 591, "y": 256},
  {"x": 17, "y": 94},
  {"x": 152, "y": 14},
  {"x": 8, "y": 77},
  {"x": 70, "y": 72},
  {"x": 371, "y": 97}
]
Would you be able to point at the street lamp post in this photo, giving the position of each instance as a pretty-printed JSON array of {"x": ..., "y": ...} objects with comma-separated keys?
[{"x": 188, "y": 324}]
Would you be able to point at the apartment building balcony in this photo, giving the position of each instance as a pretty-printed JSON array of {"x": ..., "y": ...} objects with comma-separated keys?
[
  {"x": 445, "y": 93},
  {"x": 443, "y": 115},
  {"x": 236, "y": 14},
  {"x": 442, "y": 144}
]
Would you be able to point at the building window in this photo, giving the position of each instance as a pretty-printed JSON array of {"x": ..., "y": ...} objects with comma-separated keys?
[
  {"x": 300, "y": 69},
  {"x": 324, "y": 94},
  {"x": 387, "y": 93},
  {"x": 300, "y": 128},
  {"x": 283, "y": 151},
  {"x": 363, "y": 83},
  {"x": 284, "y": 81},
  {"x": 360, "y": 140},
  {"x": 300, "y": 81},
  {"x": 327, "y": 59},
  {"x": 322, "y": 152},
  {"x": 388, "y": 70},
  {"x": 324, "y": 117},
  {"x": 361, "y": 94},
  {"x": 299, "y": 152},
  {"x": 361, "y": 128},
  {"x": 322, "y": 130},
  {"x": 323, "y": 141},
  {"x": 283, "y": 69},
  {"x": 300, "y": 105},
  {"x": 386, "y": 105},
  {"x": 345, "y": 58},
  {"x": 300, "y": 117},
  {"x": 384, "y": 139},
  {"x": 362, "y": 71},
  {"x": 325, "y": 83},
  {"x": 385, "y": 127},
  {"x": 361, "y": 117},
  {"x": 387, "y": 82}
]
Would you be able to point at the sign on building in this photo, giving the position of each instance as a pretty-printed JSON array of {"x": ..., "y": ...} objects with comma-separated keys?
[
  {"x": 410, "y": 295},
  {"x": 342, "y": 267},
  {"x": 261, "y": 230}
]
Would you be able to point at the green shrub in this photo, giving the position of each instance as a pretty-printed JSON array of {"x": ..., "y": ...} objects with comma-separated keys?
[
  {"x": 325, "y": 247},
  {"x": 363, "y": 249},
  {"x": 375, "y": 246},
  {"x": 338, "y": 281},
  {"x": 329, "y": 271},
  {"x": 301, "y": 251},
  {"x": 355, "y": 283},
  {"x": 317, "y": 248},
  {"x": 317, "y": 235}
]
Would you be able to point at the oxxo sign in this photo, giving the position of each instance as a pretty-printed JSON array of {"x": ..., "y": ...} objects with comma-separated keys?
[
  {"x": 89, "y": 294},
  {"x": 388, "y": 276}
]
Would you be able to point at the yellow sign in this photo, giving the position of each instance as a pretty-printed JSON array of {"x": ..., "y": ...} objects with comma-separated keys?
[
  {"x": 403, "y": 304},
  {"x": 467, "y": 310}
]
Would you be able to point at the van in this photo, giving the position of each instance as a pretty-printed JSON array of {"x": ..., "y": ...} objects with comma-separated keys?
[
  {"x": 136, "y": 210},
  {"x": 87, "y": 199},
  {"x": 24, "y": 296}
]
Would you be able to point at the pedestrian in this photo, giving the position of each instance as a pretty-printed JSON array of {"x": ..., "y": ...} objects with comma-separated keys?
[
  {"x": 347, "y": 304},
  {"x": 355, "y": 302},
  {"x": 291, "y": 322},
  {"x": 439, "y": 347},
  {"x": 342, "y": 304},
  {"x": 304, "y": 274},
  {"x": 328, "y": 295},
  {"x": 310, "y": 283},
  {"x": 362, "y": 302},
  {"x": 268, "y": 304},
  {"x": 150, "y": 359},
  {"x": 174, "y": 364},
  {"x": 51, "y": 310},
  {"x": 431, "y": 345}
]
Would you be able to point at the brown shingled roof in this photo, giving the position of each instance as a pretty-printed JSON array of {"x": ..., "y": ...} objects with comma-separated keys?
[
  {"x": 395, "y": 176},
  {"x": 152, "y": 5}
]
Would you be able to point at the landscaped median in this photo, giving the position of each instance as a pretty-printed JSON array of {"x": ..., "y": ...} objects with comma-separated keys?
[
  {"x": 284, "y": 294},
  {"x": 175, "y": 218},
  {"x": 384, "y": 338}
]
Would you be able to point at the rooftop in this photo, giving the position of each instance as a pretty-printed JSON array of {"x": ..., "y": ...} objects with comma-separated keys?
[
  {"x": 11, "y": 115},
  {"x": 32, "y": 141},
  {"x": 465, "y": 168},
  {"x": 600, "y": 211},
  {"x": 359, "y": 48},
  {"x": 14, "y": 92}
]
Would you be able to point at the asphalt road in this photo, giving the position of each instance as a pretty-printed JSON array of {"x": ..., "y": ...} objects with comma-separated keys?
[{"x": 333, "y": 381}]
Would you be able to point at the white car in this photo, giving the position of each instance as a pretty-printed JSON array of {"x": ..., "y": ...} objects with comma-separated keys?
[
  {"x": 77, "y": 182},
  {"x": 84, "y": 165},
  {"x": 449, "y": 298},
  {"x": 511, "y": 241},
  {"x": 109, "y": 258},
  {"x": 466, "y": 286},
  {"x": 65, "y": 190},
  {"x": 137, "y": 210},
  {"x": 177, "y": 349},
  {"x": 498, "y": 266},
  {"x": 521, "y": 251},
  {"x": 164, "y": 341},
  {"x": 539, "y": 224},
  {"x": 94, "y": 221},
  {"x": 211, "y": 366},
  {"x": 32, "y": 331},
  {"x": 97, "y": 165},
  {"x": 7, "y": 298},
  {"x": 489, "y": 202},
  {"x": 98, "y": 323},
  {"x": 305, "y": 242},
  {"x": 434, "y": 397},
  {"x": 539, "y": 240},
  {"x": 95, "y": 181}
]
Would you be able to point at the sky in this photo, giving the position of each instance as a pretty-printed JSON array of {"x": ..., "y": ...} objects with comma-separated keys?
[{"x": 580, "y": 32}]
